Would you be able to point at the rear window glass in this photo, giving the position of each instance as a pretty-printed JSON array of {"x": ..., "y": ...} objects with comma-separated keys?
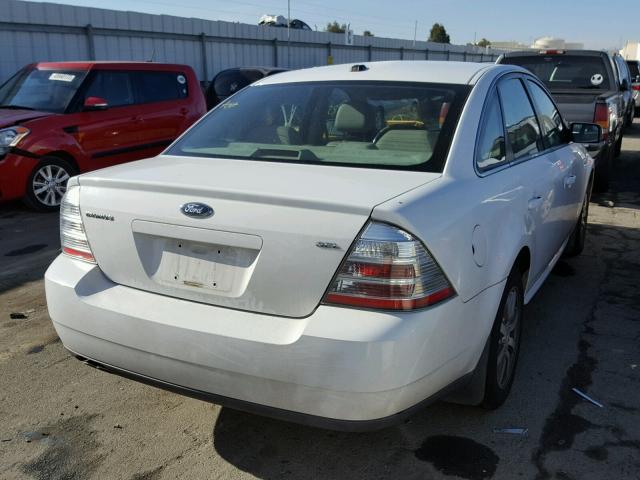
[
  {"x": 566, "y": 71},
  {"x": 368, "y": 124},
  {"x": 160, "y": 86},
  {"x": 634, "y": 69}
]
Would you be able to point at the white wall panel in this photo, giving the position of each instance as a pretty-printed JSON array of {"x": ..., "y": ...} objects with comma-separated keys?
[{"x": 31, "y": 31}]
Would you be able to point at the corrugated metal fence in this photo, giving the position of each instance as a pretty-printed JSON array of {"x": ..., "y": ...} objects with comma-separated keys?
[{"x": 31, "y": 32}]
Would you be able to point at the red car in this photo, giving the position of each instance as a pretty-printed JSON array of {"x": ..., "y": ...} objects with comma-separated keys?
[{"x": 61, "y": 119}]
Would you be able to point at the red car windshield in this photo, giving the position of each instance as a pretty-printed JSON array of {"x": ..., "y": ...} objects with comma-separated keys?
[{"x": 45, "y": 90}]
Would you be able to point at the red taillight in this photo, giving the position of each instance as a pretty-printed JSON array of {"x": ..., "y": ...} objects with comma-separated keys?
[
  {"x": 78, "y": 254},
  {"x": 635, "y": 87},
  {"x": 601, "y": 117},
  {"x": 551, "y": 52},
  {"x": 388, "y": 268}
]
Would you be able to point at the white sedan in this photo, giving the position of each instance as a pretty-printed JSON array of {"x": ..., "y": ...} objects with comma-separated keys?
[{"x": 337, "y": 246}]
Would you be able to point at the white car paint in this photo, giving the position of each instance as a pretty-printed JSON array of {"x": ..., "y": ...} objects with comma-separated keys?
[{"x": 267, "y": 339}]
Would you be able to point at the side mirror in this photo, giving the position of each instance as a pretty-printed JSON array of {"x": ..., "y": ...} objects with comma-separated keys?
[
  {"x": 589, "y": 133},
  {"x": 95, "y": 103}
]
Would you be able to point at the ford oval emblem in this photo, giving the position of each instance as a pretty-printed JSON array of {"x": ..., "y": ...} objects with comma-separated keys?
[{"x": 196, "y": 210}]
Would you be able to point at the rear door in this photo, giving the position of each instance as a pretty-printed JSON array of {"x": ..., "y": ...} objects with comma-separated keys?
[
  {"x": 108, "y": 136},
  {"x": 540, "y": 173},
  {"x": 568, "y": 158},
  {"x": 164, "y": 107}
]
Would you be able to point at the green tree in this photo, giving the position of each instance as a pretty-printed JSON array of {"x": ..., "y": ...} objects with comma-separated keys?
[
  {"x": 439, "y": 34},
  {"x": 335, "y": 27},
  {"x": 367, "y": 33},
  {"x": 483, "y": 43}
]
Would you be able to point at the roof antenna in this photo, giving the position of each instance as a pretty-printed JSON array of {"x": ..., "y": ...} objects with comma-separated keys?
[{"x": 153, "y": 54}]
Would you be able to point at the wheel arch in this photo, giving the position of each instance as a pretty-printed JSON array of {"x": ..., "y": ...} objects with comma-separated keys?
[
  {"x": 62, "y": 155},
  {"x": 522, "y": 263}
]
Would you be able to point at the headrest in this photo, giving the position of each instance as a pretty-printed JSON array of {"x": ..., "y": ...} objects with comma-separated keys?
[{"x": 350, "y": 119}]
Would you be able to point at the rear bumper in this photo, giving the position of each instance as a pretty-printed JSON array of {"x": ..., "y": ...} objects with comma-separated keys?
[
  {"x": 341, "y": 368},
  {"x": 278, "y": 413}
]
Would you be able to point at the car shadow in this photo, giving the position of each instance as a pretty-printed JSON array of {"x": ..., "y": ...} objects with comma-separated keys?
[{"x": 269, "y": 448}]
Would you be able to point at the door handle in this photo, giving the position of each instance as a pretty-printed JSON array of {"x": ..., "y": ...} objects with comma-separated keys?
[
  {"x": 569, "y": 181},
  {"x": 535, "y": 202},
  {"x": 184, "y": 111}
]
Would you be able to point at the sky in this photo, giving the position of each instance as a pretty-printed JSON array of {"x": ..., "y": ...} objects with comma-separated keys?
[{"x": 596, "y": 23}]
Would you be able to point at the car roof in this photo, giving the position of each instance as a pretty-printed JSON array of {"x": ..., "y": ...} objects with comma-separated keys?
[
  {"x": 423, "y": 71},
  {"x": 100, "y": 65},
  {"x": 264, "y": 70}
]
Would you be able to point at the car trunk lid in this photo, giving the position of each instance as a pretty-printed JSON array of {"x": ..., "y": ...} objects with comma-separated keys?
[{"x": 277, "y": 234}]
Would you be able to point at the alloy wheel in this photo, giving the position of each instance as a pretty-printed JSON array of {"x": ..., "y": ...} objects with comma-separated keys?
[
  {"x": 508, "y": 339},
  {"x": 49, "y": 184}
]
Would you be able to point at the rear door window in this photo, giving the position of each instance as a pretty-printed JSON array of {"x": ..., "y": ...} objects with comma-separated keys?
[
  {"x": 552, "y": 125},
  {"x": 115, "y": 87},
  {"x": 491, "y": 150},
  {"x": 521, "y": 124},
  {"x": 160, "y": 86},
  {"x": 634, "y": 70}
]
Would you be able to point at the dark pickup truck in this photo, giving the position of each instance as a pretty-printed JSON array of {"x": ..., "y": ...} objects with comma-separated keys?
[{"x": 586, "y": 87}]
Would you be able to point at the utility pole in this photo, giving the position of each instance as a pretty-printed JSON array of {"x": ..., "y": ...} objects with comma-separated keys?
[
  {"x": 289, "y": 33},
  {"x": 415, "y": 33}
]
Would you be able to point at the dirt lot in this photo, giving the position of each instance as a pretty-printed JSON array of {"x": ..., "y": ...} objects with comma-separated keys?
[{"x": 60, "y": 419}]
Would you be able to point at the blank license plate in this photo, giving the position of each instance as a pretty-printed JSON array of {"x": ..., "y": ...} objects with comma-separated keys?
[{"x": 198, "y": 265}]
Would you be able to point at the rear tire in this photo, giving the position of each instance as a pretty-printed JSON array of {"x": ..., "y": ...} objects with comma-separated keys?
[
  {"x": 504, "y": 343},
  {"x": 48, "y": 183},
  {"x": 575, "y": 245}
]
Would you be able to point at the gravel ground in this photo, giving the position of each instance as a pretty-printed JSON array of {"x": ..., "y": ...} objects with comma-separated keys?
[{"x": 60, "y": 419}]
